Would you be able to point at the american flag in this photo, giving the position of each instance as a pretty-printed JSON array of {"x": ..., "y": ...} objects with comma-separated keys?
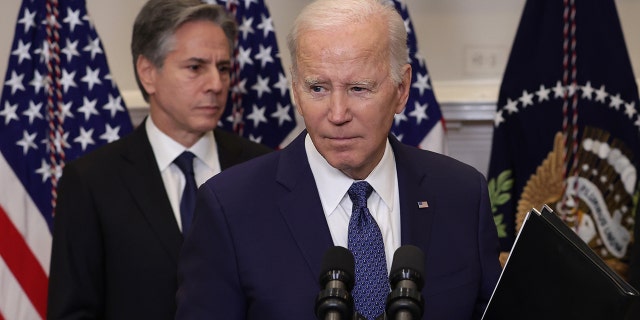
[
  {"x": 58, "y": 102},
  {"x": 260, "y": 106},
  {"x": 421, "y": 123}
]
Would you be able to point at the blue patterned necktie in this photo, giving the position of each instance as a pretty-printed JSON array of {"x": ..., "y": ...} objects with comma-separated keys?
[
  {"x": 188, "y": 200},
  {"x": 365, "y": 242}
]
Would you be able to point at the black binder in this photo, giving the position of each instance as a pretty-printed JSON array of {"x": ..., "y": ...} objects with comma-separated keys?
[{"x": 552, "y": 274}]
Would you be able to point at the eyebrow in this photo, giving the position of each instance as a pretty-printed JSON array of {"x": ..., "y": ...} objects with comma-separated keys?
[
  {"x": 316, "y": 81},
  {"x": 312, "y": 81},
  {"x": 208, "y": 61},
  {"x": 223, "y": 62},
  {"x": 198, "y": 60},
  {"x": 364, "y": 83}
]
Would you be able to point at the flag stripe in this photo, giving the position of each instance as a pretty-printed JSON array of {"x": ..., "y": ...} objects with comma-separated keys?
[
  {"x": 23, "y": 264},
  {"x": 24, "y": 215},
  {"x": 14, "y": 303}
]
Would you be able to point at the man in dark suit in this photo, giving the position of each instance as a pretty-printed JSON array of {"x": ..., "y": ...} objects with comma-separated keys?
[
  {"x": 262, "y": 227},
  {"x": 119, "y": 220}
]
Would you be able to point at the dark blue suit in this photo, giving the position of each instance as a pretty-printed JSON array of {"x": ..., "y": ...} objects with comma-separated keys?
[{"x": 259, "y": 236}]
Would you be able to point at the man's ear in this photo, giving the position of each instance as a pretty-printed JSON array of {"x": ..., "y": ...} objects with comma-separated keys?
[
  {"x": 403, "y": 88},
  {"x": 146, "y": 73}
]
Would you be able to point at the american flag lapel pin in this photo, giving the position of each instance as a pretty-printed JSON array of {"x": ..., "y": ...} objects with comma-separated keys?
[{"x": 423, "y": 204}]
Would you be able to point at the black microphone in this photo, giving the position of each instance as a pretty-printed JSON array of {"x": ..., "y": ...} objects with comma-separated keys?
[
  {"x": 405, "y": 302},
  {"x": 334, "y": 300}
]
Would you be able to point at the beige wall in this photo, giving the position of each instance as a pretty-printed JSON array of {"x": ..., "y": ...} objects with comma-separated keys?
[{"x": 449, "y": 32}]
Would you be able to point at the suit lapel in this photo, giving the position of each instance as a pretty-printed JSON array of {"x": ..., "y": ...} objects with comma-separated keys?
[
  {"x": 141, "y": 176},
  {"x": 301, "y": 207},
  {"x": 415, "y": 219},
  {"x": 302, "y": 210}
]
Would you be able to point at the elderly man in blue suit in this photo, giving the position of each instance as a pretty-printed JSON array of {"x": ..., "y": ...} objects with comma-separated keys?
[{"x": 261, "y": 228}]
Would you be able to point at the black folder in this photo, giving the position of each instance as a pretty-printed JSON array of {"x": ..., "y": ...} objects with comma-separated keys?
[{"x": 552, "y": 274}]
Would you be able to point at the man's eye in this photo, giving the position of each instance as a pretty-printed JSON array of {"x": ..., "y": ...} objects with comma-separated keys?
[
  {"x": 195, "y": 67},
  {"x": 224, "y": 69},
  {"x": 316, "y": 89},
  {"x": 358, "y": 89}
]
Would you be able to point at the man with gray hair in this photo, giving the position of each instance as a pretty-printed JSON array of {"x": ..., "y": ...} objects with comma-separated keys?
[
  {"x": 123, "y": 210},
  {"x": 261, "y": 228}
]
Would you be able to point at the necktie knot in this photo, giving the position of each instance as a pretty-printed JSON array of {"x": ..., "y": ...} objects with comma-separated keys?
[
  {"x": 359, "y": 192},
  {"x": 185, "y": 162}
]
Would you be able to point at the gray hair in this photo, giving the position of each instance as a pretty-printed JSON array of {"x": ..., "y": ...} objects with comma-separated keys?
[
  {"x": 324, "y": 14},
  {"x": 157, "y": 22}
]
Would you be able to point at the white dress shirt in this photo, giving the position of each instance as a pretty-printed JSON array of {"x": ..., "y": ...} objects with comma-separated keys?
[
  {"x": 206, "y": 163},
  {"x": 384, "y": 203}
]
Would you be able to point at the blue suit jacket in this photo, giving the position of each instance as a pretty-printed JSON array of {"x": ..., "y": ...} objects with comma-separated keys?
[{"x": 259, "y": 236}]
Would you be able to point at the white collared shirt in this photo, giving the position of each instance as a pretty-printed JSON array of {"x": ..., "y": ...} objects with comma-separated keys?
[
  {"x": 384, "y": 203},
  {"x": 206, "y": 164}
]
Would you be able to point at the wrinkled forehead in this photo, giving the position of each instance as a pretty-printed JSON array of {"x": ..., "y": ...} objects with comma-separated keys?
[
  {"x": 342, "y": 66},
  {"x": 364, "y": 40}
]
